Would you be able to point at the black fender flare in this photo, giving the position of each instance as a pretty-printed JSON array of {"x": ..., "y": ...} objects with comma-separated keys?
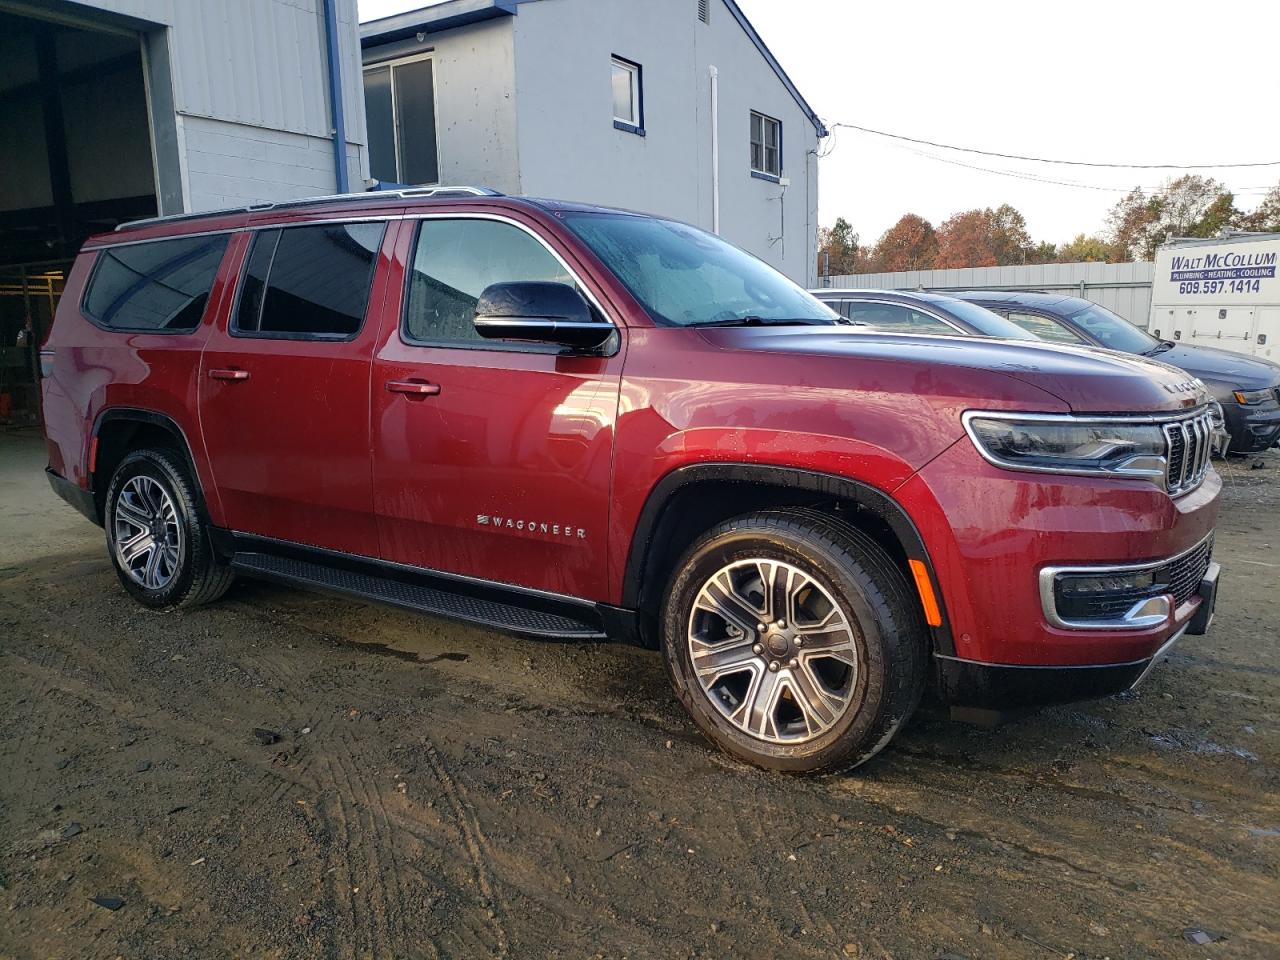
[
  {"x": 154, "y": 419},
  {"x": 882, "y": 505}
]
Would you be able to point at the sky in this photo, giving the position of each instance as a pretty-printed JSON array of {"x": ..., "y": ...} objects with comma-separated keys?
[{"x": 1121, "y": 81}]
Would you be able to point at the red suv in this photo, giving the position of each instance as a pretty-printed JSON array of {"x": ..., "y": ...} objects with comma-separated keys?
[{"x": 573, "y": 422}]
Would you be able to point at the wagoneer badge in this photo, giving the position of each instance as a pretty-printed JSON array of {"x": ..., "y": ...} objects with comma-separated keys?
[{"x": 532, "y": 526}]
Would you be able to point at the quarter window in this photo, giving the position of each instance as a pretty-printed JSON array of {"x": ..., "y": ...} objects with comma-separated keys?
[
  {"x": 309, "y": 283},
  {"x": 628, "y": 99},
  {"x": 454, "y": 261},
  {"x": 400, "y": 113},
  {"x": 162, "y": 285},
  {"x": 766, "y": 145}
]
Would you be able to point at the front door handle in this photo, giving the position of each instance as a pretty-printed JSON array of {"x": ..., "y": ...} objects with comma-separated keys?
[
  {"x": 414, "y": 388},
  {"x": 229, "y": 374}
]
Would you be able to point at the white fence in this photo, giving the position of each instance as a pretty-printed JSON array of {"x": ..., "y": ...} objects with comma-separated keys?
[{"x": 1123, "y": 288}]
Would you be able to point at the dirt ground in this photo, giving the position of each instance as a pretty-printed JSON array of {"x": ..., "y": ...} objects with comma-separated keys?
[{"x": 440, "y": 791}]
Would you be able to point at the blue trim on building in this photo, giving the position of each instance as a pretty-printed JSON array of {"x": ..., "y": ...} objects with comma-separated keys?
[
  {"x": 636, "y": 128},
  {"x": 765, "y": 176},
  {"x": 777, "y": 67},
  {"x": 442, "y": 16},
  {"x": 336, "y": 114}
]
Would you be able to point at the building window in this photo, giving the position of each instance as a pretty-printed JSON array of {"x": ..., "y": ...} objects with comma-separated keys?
[
  {"x": 628, "y": 96},
  {"x": 766, "y": 146},
  {"x": 400, "y": 111}
]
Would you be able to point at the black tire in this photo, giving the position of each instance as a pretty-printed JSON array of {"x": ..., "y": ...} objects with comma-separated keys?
[
  {"x": 199, "y": 576},
  {"x": 887, "y": 631}
]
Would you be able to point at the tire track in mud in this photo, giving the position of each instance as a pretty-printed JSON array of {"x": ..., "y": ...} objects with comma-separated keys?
[{"x": 475, "y": 843}]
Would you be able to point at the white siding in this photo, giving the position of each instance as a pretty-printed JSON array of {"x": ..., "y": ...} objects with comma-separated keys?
[
  {"x": 250, "y": 89},
  {"x": 1123, "y": 288},
  {"x": 569, "y": 148}
]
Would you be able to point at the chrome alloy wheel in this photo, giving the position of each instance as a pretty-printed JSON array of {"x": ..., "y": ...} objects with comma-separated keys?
[
  {"x": 146, "y": 533},
  {"x": 773, "y": 651}
]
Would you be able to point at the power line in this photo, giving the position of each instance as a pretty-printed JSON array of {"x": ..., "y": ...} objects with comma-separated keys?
[
  {"x": 1072, "y": 163},
  {"x": 1153, "y": 191}
]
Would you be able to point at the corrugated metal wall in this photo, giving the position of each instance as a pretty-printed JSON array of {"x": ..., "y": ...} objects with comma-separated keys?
[
  {"x": 256, "y": 62},
  {"x": 1123, "y": 288}
]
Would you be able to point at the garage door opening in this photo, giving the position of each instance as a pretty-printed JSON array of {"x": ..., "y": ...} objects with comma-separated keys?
[{"x": 76, "y": 155}]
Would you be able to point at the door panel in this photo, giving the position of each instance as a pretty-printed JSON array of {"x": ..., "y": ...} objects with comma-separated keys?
[
  {"x": 500, "y": 467},
  {"x": 285, "y": 411}
]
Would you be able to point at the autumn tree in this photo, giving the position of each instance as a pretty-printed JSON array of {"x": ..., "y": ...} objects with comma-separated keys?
[
  {"x": 1266, "y": 218},
  {"x": 1009, "y": 237},
  {"x": 910, "y": 244},
  {"x": 964, "y": 240},
  {"x": 1189, "y": 206},
  {"x": 837, "y": 249},
  {"x": 1085, "y": 249}
]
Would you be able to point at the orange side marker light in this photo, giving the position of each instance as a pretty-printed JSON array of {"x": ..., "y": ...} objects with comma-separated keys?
[{"x": 932, "y": 612}]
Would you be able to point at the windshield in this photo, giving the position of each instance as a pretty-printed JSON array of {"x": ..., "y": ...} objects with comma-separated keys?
[
  {"x": 986, "y": 323},
  {"x": 686, "y": 277},
  {"x": 1112, "y": 331}
]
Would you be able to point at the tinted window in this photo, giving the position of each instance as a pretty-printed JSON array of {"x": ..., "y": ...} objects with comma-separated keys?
[
  {"x": 161, "y": 285},
  {"x": 1044, "y": 328},
  {"x": 380, "y": 121},
  {"x": 453, "y": 263},
  {"x": 309, "y": 281},
  {"x": 895, "y": 318},
  {"x": 985, "y": 322},
  {"x": 684, "y": 276}
]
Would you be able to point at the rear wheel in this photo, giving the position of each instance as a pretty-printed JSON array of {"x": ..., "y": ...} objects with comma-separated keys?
[
  {"x": 794, "y": 641},
  {"x": 158, "y": 543}
]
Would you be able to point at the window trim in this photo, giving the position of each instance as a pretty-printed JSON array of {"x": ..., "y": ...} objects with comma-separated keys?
[
  {"x": 392, "y": 64},
  {"x": 757, "y": 172},
  {"x": 254, "y": 232},
  {"x": 98, "y": 256},
  {"x": 496, "y": 346},
  {"x": 637, "y": 94}
]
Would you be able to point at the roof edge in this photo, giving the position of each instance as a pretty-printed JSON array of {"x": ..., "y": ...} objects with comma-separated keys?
[
  {"x": 432, "y": 19},
  {"x": 765, "y": 52}
]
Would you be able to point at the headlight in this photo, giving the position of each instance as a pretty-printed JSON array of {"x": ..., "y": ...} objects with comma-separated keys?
[
  {"x": 1071, "y": 445},
  {"x": 1253, "y": 397}
]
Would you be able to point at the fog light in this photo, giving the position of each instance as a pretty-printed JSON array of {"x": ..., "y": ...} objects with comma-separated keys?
[{"x": 1111, "y": 583}]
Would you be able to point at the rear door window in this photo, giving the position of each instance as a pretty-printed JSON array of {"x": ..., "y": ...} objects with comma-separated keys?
[
  {"x": 895, "y": 318},
  {"x": 308, "y": 283},
  {"x": 159, "y": 286},
  {"x": 1044, "y": 327}
]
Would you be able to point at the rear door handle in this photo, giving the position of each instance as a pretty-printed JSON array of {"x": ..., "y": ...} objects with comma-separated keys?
[
  {"x": 414, "y": 388},
  {"x": 229, "y": 374}
]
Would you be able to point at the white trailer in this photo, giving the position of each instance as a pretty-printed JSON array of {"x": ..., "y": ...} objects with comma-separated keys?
[{"x": 1223, "y": 292}]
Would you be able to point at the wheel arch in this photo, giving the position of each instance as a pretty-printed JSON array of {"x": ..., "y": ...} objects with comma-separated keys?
[
  {"x": 691, "y": 499},
  {"x": 118, "y": 431}
]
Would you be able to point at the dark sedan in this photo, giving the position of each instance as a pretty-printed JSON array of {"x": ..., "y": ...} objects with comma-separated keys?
[{"x": 1247, "y": 387}]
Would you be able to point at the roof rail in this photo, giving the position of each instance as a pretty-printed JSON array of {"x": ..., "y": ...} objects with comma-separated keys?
[{"x": 408, "y": 193}]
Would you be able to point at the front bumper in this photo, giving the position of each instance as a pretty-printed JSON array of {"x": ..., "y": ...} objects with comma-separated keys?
[
  {"x": 1005, "y": 687},
  {"x": 1252, "y": 428}
]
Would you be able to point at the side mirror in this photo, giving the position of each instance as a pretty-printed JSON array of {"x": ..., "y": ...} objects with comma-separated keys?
[{"x": 540, "y": 312}]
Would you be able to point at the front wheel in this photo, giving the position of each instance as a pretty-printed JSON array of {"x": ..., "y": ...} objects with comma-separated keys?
[
  {"x": 159, "y": 545},
  {"x": 794, "y": 641}
]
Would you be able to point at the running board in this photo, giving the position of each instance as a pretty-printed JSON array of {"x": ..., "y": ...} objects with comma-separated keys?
[{"x": 424, "y": 594}]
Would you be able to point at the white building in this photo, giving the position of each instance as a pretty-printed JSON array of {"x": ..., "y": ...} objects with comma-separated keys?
[{"x": 672, "y": 107}]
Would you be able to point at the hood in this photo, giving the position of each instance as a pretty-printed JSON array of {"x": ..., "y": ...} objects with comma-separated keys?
[
  {"x": 1232, "y": 370},
  {"x": 1086, "y": 379}
]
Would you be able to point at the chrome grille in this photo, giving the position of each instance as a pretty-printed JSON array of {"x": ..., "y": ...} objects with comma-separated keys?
[{"x": 1189, "y": 443}]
